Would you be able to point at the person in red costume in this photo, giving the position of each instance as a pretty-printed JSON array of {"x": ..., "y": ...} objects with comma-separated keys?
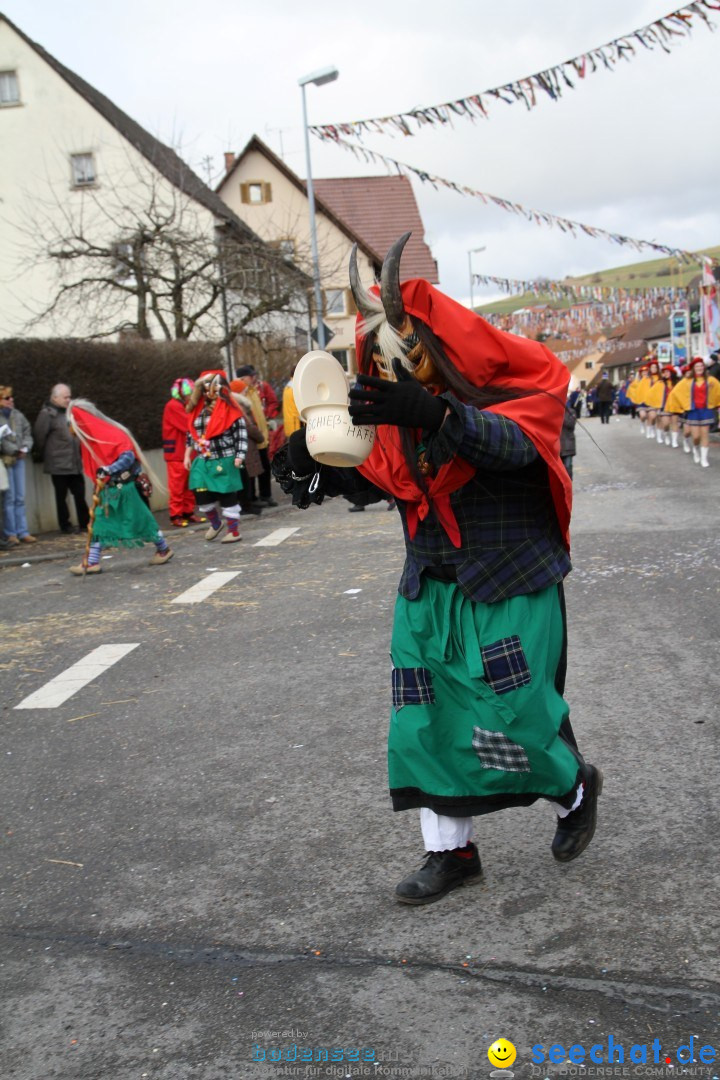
[
  {"x": 174, "y": 433},
  {"x": 468, "y": 422}
]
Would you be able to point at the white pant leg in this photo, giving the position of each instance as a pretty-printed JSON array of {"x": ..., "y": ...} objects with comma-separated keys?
[{"x": 442, "y": 833}]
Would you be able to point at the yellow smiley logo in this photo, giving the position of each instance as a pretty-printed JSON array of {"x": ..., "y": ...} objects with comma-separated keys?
[{"x": 502, "y": 1053}]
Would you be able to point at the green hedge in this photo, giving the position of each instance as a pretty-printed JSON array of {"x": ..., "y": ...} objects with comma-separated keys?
[{"x": 129, "y": 380}]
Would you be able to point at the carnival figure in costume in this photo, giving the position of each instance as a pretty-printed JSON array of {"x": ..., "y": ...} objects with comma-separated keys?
[
  {"x": 698, "y": 397},
  {"x": 468, "y": 437},
  {"x": 114, "y": 462},
  {"x": 174, "y": 436},
  {"x": 218, "y": 435}
]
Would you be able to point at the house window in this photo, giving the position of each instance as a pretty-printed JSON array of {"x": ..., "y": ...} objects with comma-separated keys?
[
  {"x": 588, "y": 365},
  {"x": 9, "y": 89},
  {"x": 335, "y": 302},
  {"x": 255, "y": 192},
  {"x": 123, "y": 267},
  {"x": 83, "y": 170}
]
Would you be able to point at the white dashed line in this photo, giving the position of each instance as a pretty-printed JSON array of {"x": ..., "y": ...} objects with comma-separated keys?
[
  {"x": 197, "y": 593},
  {"x": 274, "y": 538},
  {"x": 66, "y": 684}
]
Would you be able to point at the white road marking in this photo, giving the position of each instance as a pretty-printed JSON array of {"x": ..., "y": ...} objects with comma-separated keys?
[
  {"x": 276, "y": 537},
  {"x": 197, "y": 593},
  {"x": 66, "y": 684}
]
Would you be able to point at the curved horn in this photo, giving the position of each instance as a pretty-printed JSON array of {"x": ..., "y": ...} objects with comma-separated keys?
[
  {"x": 359, "y": 295},
  {"x": 390, "y": 293}
]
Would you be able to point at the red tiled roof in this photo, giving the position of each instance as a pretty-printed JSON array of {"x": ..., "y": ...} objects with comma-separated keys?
[{"x": 380, "y": 209}]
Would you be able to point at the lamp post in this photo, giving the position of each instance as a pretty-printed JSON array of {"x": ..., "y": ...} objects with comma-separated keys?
[
  {"x": 472, "y": 252},
  {"x": 317, "y": 78}
]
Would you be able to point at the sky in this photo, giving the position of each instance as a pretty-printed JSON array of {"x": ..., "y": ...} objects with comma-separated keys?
[{"x": 634, "y": 151}]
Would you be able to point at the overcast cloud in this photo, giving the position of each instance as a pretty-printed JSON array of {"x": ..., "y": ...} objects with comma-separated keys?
[{"x": 635, "y": 151}]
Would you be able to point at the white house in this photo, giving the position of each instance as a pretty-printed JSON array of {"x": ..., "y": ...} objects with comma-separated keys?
[
  {"x": 88, "y": 195},
  {"x": 368, "y": 211}
]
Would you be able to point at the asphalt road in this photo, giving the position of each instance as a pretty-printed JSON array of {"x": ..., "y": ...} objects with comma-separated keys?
[{"x": 199, "y": 855}]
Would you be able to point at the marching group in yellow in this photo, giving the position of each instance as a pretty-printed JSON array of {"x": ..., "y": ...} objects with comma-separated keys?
[{"x": 667, "y": 404}]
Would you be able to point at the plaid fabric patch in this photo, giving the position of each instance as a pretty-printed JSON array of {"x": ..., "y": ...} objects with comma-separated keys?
[
  {"x": 412, "y": 686},
  {"x": 496, "y": 751},
  {"x": 505, "y": 665}
]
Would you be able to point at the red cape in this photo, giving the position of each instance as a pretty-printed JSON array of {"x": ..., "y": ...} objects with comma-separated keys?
[
  {"x": 486, "y": 357},
  {"x": 106, "y": 442}
]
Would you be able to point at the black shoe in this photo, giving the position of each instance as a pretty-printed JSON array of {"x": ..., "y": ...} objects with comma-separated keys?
[
  {"x": 576, "y": 830},
  {"x": 67, "y": 529},
  {"x": 267, "y": 502},
  {"x": 355, "y": 509},
  {"x": 441, "y": 872},
  {"x": 253, "y": 508}
]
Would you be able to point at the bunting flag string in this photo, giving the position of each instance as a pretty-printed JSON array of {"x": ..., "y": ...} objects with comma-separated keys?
[
  {"x": 560, "y": 290},
  {"x": 663, "y": 33},
  {"x": 588, "y": 317},
  {"x": 538, "y": 217}
]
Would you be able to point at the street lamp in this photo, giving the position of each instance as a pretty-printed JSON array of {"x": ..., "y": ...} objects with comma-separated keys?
[
  {"x": 472, "y": 252},
  {"x": 317, "y": 78}
]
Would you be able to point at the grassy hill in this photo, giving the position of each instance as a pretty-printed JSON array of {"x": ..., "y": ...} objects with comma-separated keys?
[{"x": 655, "y": 273}]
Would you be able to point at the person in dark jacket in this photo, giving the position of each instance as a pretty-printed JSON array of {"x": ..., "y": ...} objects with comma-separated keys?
[
  {"x": 604, "y": 395},
  {"x": 60, "y": 455},
  {"x": 567, "y": 439}
]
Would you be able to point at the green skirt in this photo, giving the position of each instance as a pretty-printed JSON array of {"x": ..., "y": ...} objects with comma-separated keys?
[
  {"x": 215, "y": 474},
  {"x": 476, "y": 714},
  {"x": 123, "y": 519}
]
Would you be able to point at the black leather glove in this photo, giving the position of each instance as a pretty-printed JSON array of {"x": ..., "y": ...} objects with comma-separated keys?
[
  {"x": 403, "y": 403},
  {"x": 302, "y": 462}
]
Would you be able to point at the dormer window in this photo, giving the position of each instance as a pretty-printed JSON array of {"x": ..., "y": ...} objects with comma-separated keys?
[
  {"x": 255, "y": 192},
  {"x": 9, "y": 89},
  {"x": 83, "y": 170}
]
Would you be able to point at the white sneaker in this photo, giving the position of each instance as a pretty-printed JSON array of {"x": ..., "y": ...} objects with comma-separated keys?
[
  {"x": 211, "y": 533},
  {"x": 696, "y": 454}
]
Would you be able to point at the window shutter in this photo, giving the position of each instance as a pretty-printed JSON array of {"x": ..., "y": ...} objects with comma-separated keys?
[
  {"x": 350, "y": 305},
  {"x": 267, "y": 192},
  {"x": 244, "y": 193}
]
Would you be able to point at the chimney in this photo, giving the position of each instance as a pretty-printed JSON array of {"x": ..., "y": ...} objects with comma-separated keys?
[{"x": 229, "y": 160}]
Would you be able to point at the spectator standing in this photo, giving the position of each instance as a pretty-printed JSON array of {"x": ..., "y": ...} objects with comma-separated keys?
[
  {"x": 5, "y": 544},
  {"x": 252, "y": 466},
  {"x": 60, "y": 455},
  {"x": 17, "y": 443},
  {"x": 174, "y": 436},
  {"x": 567, "y": 439},
  {"x": 271, "y": 410},
  {"x": 605, "y": 395},
  {"x": 291, "y": 416}
]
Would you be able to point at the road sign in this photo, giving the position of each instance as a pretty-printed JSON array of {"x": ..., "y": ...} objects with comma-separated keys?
[{"x": 316, "y": 336}]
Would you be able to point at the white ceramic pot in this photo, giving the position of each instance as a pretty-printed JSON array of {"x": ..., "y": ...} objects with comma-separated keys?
[
  {"x": 333, "y": 439},
  {"x": 320, "y": 388}
]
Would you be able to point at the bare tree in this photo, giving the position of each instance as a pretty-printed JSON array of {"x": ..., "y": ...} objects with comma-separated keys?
[{"x": 143, "y": 256}]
